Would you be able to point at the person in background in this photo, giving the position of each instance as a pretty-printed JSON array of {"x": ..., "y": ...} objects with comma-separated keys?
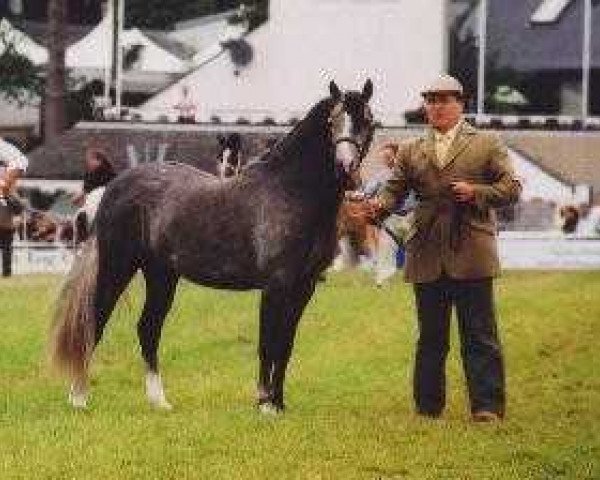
[
  {"x": 99, "y": 171},
  {"x": 13, "y": 165},
  {"x": 186, "y": 107},
  {"x": 570, "y": 218},
  {"x": 459, "y": 175}
]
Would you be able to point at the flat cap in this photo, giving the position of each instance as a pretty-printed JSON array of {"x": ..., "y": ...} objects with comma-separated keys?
[{"x": 443, "y": 83}]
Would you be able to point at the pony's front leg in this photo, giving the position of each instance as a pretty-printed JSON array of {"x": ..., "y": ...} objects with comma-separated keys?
[
  {"x": 155, "y": 391},
  {"x": 266, "y": 353},
  {"x": 281, "y": 309}
]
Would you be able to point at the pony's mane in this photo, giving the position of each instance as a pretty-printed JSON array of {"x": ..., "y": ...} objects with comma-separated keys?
[{"x": 316, "y": 118}]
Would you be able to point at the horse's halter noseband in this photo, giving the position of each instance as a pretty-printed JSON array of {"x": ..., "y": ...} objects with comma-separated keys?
[{"x": 337, "y": 111}]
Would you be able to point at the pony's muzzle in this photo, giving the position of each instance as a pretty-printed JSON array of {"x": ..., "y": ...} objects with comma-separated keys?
[{"x": 347, "y": 154}]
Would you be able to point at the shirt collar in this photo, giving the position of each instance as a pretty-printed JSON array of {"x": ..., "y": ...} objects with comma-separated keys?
[{"x": 449, "y": 135}]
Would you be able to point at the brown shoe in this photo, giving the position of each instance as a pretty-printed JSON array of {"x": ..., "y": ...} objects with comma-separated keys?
[{"x": 485, "y": 416}]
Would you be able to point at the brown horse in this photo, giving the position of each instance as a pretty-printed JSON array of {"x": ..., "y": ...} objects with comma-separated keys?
[{"x": 356, "y": 231}]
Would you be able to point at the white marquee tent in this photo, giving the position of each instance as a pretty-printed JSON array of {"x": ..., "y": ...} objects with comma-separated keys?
[
  {"x": 23, "y": 44},
  {"x": 90, "y": 52},
  {"x": 306, "y": 43},
  {"x": 539, "y": 184}
]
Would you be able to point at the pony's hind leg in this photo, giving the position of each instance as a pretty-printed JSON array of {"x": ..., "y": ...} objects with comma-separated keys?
[{"x": 161, "y": 285}]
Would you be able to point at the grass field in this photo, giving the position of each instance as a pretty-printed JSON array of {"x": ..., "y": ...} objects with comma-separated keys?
[{"x": 348, "y": 391}]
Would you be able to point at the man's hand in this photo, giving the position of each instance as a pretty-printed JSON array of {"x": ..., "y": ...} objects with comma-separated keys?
[
  {"x": 3, "y": 188},
  {"x": 354, "y": 195},
  {"x": 463, "y": 192},
  {"x": 9, "y": 180},
  {"x": 78, "y": 199},
  {"x": 374, "y": 208}
]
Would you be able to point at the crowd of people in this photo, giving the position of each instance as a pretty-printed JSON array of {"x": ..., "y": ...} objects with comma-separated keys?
[
  {"x": 38, "y": 225},
  {"x": 13, "y": 165}
]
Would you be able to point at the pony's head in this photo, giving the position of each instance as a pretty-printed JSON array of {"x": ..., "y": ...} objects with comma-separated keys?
[
  {"x": 351, "y": 124},
  {"x": 229, "y": 157}
]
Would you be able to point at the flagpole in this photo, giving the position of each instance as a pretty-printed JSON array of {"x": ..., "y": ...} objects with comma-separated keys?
[
  {"x": 481, "y": 64},
  {"x": 119, "y": 85},
  {"x": 108, "y": 51},
  {"x": 585, "y": 76},
  {"x": 481, "y": 61}
]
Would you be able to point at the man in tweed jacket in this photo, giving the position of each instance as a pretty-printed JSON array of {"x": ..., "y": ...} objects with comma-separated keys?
[{"x": 459, "y": 175}]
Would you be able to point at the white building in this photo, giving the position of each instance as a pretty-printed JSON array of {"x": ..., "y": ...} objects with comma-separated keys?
[
  {"x": 399, "y": 44},
  {"x": 539, "y": 184}
]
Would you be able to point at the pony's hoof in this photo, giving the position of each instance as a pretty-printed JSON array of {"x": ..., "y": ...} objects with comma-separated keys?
[
  {"x": 269, "y": 409},
  {"x": 78, "y": 400},
  {"x": 161, "y": 404}
]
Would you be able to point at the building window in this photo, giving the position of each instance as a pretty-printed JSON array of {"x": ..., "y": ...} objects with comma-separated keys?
[{"x": 549, "y": 11}]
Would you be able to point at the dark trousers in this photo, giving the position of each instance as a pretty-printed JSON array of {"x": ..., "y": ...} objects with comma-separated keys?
[
  {"x": 480, "y": 348},
  {"x": 6, "y": 241}
]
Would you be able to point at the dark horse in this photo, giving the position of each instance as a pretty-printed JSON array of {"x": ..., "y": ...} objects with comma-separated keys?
[{"x": 272, "y": 228}]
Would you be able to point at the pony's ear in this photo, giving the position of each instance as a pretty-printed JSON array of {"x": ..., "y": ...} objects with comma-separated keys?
[
  {"x": 367, "y": 92},
  {"x": 334, "y": 90},
  {"x": 221, "y": 139}
]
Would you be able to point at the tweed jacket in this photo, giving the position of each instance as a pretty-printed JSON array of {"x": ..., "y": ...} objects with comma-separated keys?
[{"x": 448, "y": 237}]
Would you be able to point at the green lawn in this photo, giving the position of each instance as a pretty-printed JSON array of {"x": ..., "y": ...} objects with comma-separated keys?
[{"x": 348, "y": 391}]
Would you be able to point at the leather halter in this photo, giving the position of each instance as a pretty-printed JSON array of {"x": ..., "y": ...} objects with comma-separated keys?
[{"x": 336, "y": 112}]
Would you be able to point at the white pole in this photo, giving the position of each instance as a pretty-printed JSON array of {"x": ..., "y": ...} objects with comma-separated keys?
[
  {"x": 108, "y": 51},
  {"x": 585, "y": 80},
  {"x": 481, "y": 62},
  {"x": 119, "y": 85}
]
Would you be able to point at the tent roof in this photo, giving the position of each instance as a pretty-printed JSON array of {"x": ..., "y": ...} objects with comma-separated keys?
[
  {"x": 91, "y": 51},
  {"x": 24, "y": 44}
]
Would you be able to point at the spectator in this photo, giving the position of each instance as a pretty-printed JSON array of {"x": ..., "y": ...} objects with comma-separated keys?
[
  {"x": 186, "y": 107},
  {"x": 569, "y": 215},
  {"x": 13, "y": 165},
  {"x": 99, "y": 171}
]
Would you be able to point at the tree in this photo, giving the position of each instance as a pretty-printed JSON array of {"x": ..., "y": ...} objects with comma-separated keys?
[
  {"x": 54, "y": 107},
  {"x": 163, "y": 14},
  {"x": 20, "y": 79}
]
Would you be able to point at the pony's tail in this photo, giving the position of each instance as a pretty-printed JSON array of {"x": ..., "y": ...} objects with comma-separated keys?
[{"x": 74, "y": 326}]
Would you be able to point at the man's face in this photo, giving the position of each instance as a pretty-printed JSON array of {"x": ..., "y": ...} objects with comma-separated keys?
[
  {"x": 92, "y": 162},
  {"x": 387, "y": 156},
  {"x": 443, "y": 110}
]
